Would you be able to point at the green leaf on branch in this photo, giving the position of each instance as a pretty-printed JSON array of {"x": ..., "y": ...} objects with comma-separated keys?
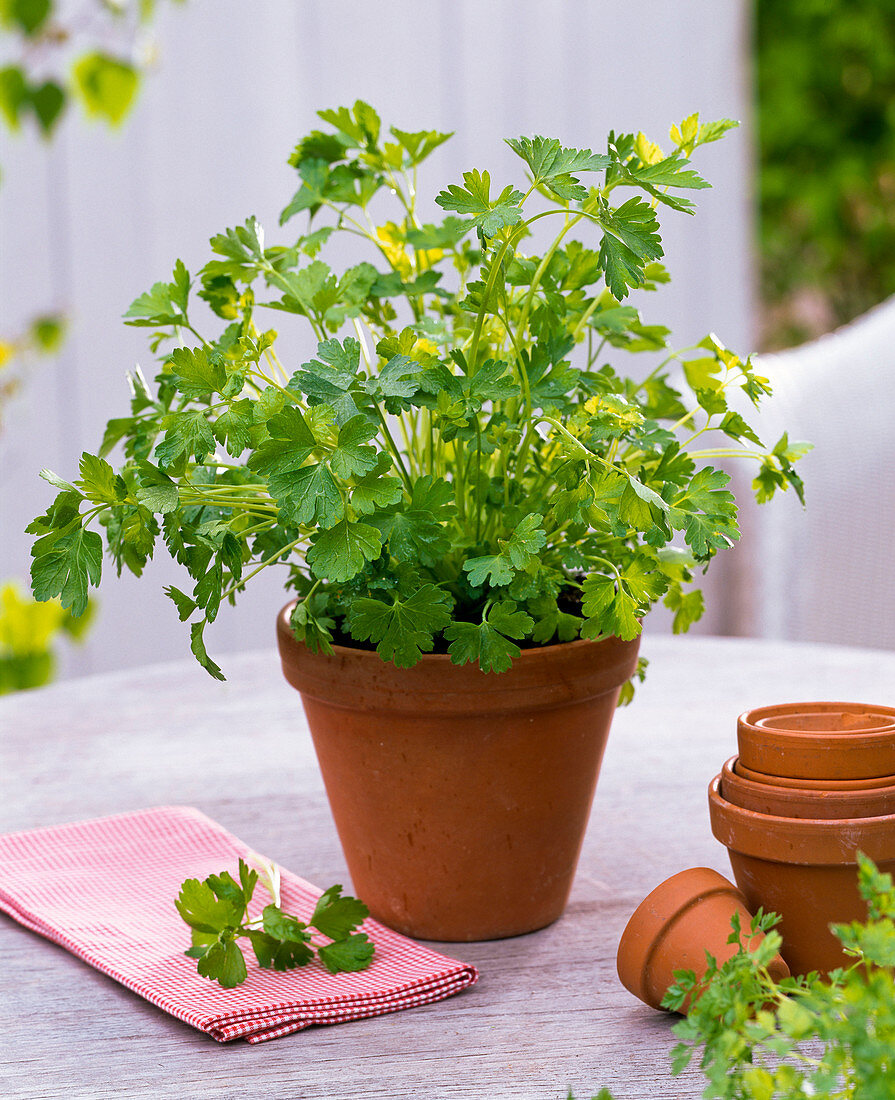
[
  {"x": 622, "y": 267},
  {"x": 28, "y": 15},
  {"x": 280, "y": 954},
  {"x": 527, "y": 539},
  {"x": 204, "y": 910},
  {"x": 341, "y": 552},
  {"x": 328, "y": 379},
  {"x": 198, "y": 373},
  {"x": 490, "y": 216},
  {"x": 488, "y": 642},
  {"x": 350, "y": 954},
  {"x": 197, "y": 646},
  {"x": 67, "y": 570},
  {"x": 493, "y": 569},
  {"x": 556, "y": 167},
  {"x": 361, "y": 124},
  {"x": 164, "y": 304},
  {"x": 188, "y": 435},
  {"x": 156, "y": 491},
  {"x": 374, "y": 492},
  {"x": 404, "y": 629},
  {"x": 15, "y": 96},
  {"x": 706, "y": 513},
  {"x": 350, "y": 458},
  {"x": 337, "y": 916},
  {"x": 688, "y": 607},
  {"x": 98, "y": 482},
  {"x": 233, "y": 428},
  {"x": 613, "y": 604},
  {"x": 223, "y": 963},
  {"x": 308, "y": 495}
]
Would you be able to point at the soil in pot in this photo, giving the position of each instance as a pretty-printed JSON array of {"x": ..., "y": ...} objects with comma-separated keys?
[
  {"x": 461, "y": 798},
  {"x": 818, "y": 740},
  {"x": 676, "y": 925},
  {"x": 780, "y": 801},
  {"x": 805, "y": 870}
]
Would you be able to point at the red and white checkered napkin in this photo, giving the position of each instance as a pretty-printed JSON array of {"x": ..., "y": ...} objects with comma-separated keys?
[{"x": 105, "y": 891}]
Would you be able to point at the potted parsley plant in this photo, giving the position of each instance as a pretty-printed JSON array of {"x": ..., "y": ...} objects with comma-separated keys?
[{"x": 456, "y": 478}]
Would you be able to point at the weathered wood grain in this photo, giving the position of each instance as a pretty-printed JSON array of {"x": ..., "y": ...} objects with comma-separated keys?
[{"x": 548, "y": 1013}]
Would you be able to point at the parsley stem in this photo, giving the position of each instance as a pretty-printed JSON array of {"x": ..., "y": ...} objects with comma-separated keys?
[
  {"x": 727, "y": 452},
  {"x": 582, "y": 321},
  {"x": 276, "y": 385},
  {"x": 237, "y": 586},
  {"x": 396, "y": 453},
  {"x": 198, "y": 335}
]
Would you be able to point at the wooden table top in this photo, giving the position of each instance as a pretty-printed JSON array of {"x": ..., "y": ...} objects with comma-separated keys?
[{"x": 548, "y": 1014}]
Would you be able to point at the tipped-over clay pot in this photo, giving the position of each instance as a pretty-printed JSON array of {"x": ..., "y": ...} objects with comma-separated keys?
[
  {"x": 813, "y": 784},
  {"x": 804, "y": 870},
  {"x": 780, "y": 801},
  {"x": 673, "y": 928},
  {"x": 818, "y": 740},
  {"x": 460, "y": 797}
]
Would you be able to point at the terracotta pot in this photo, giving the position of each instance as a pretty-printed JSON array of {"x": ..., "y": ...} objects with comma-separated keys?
[
  {"x": 813, "y": 784},
  {"x": 673, "y": 928},
  {"x": 768, "y": 798},
  {"x": 461, "y": 798},
  {"x": 804, "y": 870},
  {"x": 818, "y": 740}
]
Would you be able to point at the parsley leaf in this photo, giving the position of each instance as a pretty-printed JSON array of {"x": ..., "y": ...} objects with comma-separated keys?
[
  {"x": 553, "y": 166},
  {"x": 404, "y": 629},
  {"x": 352, "y": 953},
  {"x": 340, "y": 553},
  {"x": 489, "y": 216},
  {"x": 488, "y": 642},
  {"x": 67, "y": 569},
  {"x": 337, "y": 916}
]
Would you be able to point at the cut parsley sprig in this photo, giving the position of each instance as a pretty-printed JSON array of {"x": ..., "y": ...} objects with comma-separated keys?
[{"x": 216, "y": 911}]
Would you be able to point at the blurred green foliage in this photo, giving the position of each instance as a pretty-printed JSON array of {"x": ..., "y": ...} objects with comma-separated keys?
[
  {"x": 28, "y": 635},
  {"x": 54, "y": 53},
  {"x": 825, "y": 76}
]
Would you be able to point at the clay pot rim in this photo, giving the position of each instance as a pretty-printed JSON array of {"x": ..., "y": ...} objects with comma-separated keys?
[
  {"x": 816, "y": 754},
  {"x": 798, "y": 794},
  {"x": 823, "y": 842},
  {"x": 752, "y": 719},
  {"x": 542, "y": 678},
  {"x": 791, "y": 783},
  {"x": 654, "y": 917}
]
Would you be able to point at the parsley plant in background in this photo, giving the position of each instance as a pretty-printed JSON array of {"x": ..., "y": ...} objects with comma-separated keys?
[{"x": 829, "y": 1038}]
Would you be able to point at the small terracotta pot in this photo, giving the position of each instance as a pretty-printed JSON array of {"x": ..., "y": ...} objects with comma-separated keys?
[
  {"x": 767, "y": 798},
  {"x": 461, "y": 798},
  {"x": 675, "y": 926},
  {"x": 804, "y": 870},
  {"x": 818, "y": 740},
  {"x": 813, "y": 784}
]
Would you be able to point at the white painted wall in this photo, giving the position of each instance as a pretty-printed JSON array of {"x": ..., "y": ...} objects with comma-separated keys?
[{"x": 90, "y": 223}]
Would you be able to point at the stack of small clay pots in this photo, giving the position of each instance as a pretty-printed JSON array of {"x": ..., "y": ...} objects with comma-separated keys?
[{"x": 813, "y": 785}]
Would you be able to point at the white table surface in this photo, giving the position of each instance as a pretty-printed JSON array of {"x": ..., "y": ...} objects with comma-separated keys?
[{"x": 548, "y": 1013}]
